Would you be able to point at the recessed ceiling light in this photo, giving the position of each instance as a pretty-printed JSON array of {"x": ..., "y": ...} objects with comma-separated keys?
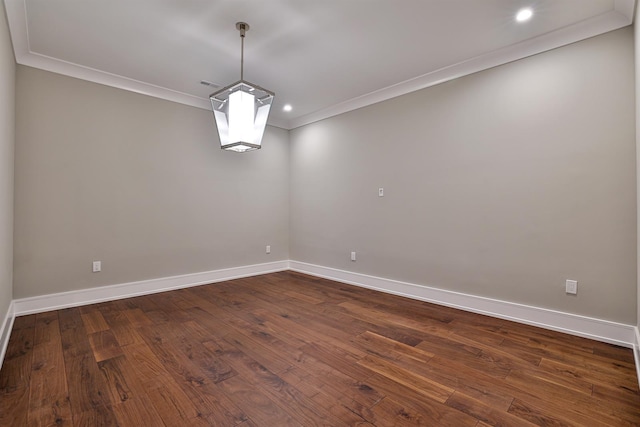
[
  {"x": 287, "y": 107},
  {"x": 524, "y": 15}
]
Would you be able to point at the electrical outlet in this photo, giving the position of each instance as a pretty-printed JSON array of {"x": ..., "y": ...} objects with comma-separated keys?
[
  {"x": 268, "y": 250},
  {"x": 571, "y": 287},
  {"x": 353, "y": 256},
  {"x": 97, "y": 266}
]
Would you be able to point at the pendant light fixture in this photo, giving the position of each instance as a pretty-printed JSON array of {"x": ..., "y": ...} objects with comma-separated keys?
[{"x": 241, "y": 109}]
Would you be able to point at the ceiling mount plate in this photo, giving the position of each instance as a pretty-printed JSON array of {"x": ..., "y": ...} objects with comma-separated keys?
[{"x": 242, "y": 27}]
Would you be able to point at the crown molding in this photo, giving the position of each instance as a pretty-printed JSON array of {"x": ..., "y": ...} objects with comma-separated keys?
[
  {"x": 17, "y": 20},
  {"x": 620, "y": 16}
]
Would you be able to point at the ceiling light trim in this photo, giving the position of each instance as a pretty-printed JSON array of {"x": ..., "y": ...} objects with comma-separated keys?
[{"x": 524, "y": 15}]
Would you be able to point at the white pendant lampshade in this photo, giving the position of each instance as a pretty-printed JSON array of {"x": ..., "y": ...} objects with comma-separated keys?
[{"x": 241, "y": 110}]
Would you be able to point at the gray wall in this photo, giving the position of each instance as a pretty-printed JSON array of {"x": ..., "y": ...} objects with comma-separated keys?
[
  {"x": 7, "y": 140},
  {"x": 501, "y": 184},
  {"x": 637, "y": 63},
  {"x": 138, "y": 183}
]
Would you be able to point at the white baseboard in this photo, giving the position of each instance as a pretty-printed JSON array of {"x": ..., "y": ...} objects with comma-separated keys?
[
  {"x": 636, "y": 353},
  {"x": 80, "y": 297},
  {"x": 587, "y": 327},
  {"x": 5, "y": 331},
  {"x": 597, "y": 329}
]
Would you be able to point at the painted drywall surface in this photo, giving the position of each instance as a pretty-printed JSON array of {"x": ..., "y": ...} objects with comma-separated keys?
[
  {"x": 636, "y": 34},
  {"x": 501, "y": 184},
  {"x": 7, "y": 140},
  {"x": 137, "y": 183}
]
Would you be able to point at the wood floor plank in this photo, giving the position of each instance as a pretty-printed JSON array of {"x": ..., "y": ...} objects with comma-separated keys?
[
  {"x": 22, "y": 337},
  {"x": 122, "y": 382},
  {"x": 481, "y": 329},
  {"x": 221, "y": 410},
  {"x": 613, "y": 393},
  {"x": 50, "y": 416},
  {"x": 47, "y": 328},
  {"x": 73, "y": 335},
  {"x": 452, "y": 375},
  {"x": 471, "y": 355},
  {"x": 306, "y": 328},
  {"x": 48, "y": 390},
  {"x": 137, "y": 412},
  {"x": 610, "y": 351},
  {"x": 560, "y": 377},
  {"x": 542, "y": 415},
  {"x": 14, "y": 405},
  {"x": 259, "y": 407},
  {"x": 16, "y": 373},
  {"x": 194, "y": 381},
  {"x": 294, "y": 402},
  {"x": 172, "y": 405},
  {"x": 99, "y": 416},
  {"x": 137, "y": 317},
  {"x": 603, "y": 367},
  {"x": 87, "y": 388},
  {"x": 379, "y": 316},
  {"x": 579, "y": 405},
  {"x": 621, "y": 413},
  {"x": 120, "y": 326},
  {"x": 298, "y": 296},
  {"x": 594, "y": 372},
  {"x": 126, "y": 335},
  {"x": 415, "y": 402},
  {"x": 337, "y": 358},
  {"x": 291, "y": 349},
  {"x": 93, "y": 320},
  {"x": 257, "y": 351},
  {"x": 389, "y": 413},
  {"x": 385, "y": 347},
  {"x": 344, "y": 410},
  {"x": 338, "y": 317},
  {"x": 104, "y": 345},
  {"x": 183, "y": 371},
  {"x": 149, "y": 369},
  {"x": 214, "y": 367},
  {"x": 347, "y": 389},
  {"x": 429, "y": 388},
  {"x": 495, "y": 353},
  {"x": 340, "y": 410},
  {"x": 484, "y": 413},
  {"x": 282, "y": 341}
]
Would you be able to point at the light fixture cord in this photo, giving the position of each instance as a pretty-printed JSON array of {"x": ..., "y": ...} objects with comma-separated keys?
[{"x": 242, "y": 30}]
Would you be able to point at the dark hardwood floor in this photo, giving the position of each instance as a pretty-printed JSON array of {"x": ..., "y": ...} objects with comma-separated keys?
[{"x": 288, "y": 349}]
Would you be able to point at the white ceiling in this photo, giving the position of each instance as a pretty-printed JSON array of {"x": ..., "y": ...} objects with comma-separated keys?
[{"x": 323, "y": 57}]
